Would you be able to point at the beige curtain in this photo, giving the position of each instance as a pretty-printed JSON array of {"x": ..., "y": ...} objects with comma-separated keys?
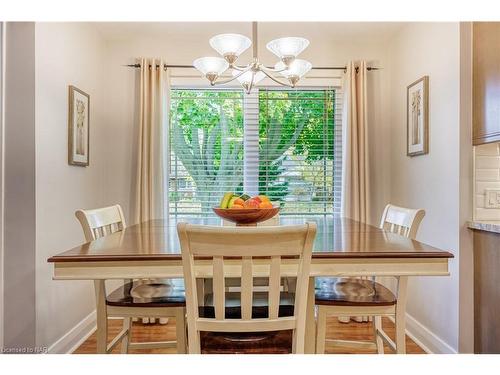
[
  {"x": 355, "y": 195},
  {"x": 152, "y": 150},
  {"x": 355, "y": 173},
  {"x": 152, "y": 174}
]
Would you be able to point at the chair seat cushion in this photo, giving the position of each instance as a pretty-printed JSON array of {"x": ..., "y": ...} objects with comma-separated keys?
[
  {"x": 352, "y": 292},
  {"x": 259, "y": 305},
  {"x": 274, "y": 342},
  {"x": 147, "y": 295}
]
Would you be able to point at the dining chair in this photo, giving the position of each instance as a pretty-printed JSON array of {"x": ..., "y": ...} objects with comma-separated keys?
[
  {"x": 132, "y": 299},
  {"x": 233, "y": 323},
  {"x": 346, "y": 296}
]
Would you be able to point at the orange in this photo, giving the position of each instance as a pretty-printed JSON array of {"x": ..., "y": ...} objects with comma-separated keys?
[
  {"x": 264, "y": 198},
  {"x": 239, "y": 206},
  {"x": 266, "y": 205},
  {"x": 239, "y": 201}
]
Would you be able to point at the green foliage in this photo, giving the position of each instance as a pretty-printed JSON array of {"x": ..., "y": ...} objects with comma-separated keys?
[
  {"x": 300, "y": 122},
  {"x": 207, "y": 136},
  {"x": 311, "y": 111}
]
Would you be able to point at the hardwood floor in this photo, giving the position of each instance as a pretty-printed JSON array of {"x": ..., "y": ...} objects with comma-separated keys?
[{"x": 157, "y": 332}]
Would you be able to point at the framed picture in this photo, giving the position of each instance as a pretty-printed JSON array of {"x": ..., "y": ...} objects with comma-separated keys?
[
  {"x": 417, "y": 120},
  {"x": 78, "y": 127}
]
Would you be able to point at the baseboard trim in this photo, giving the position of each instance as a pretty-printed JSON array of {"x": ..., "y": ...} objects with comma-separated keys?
[
  {"x": 425, "y": 338},
  {"x": 72, "y": 339}
]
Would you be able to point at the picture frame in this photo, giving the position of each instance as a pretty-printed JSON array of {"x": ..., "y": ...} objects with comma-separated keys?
[
  {"x": 417, "y": 117},
  {"x": 78, "y": 127}
]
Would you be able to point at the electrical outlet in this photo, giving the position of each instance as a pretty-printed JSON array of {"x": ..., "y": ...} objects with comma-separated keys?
[{"x": 492, "y": 198}]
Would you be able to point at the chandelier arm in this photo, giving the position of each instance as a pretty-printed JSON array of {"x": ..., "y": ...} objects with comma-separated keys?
[
  {"x": 263, "y": 67},
  {"x": 277, "y": 80},
  {"x": 232, "y": 78},
  {"x": 240, "y": 68}
]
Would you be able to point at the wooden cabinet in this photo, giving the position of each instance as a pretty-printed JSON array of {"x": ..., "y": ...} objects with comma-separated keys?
[
  {"x": 486, "y": 82},
  {"x": 486, "y": 292}
]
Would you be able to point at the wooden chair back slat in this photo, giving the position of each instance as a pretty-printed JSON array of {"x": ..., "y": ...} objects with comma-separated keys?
[
  {"x": 401, "y": 220},
  {"x": 242, "y": 245},
  {"x": 274, "y": 287},
  {"x": 246, "y": 288},
  {"x": 219, "y": 289},
  {"x": 100, "y": 222}
]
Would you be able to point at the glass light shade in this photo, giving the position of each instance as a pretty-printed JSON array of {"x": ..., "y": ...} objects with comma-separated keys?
[
  {"x": 246, "y": 77},
  {"x": 291, "y": 46},
  {"x": 232, "y": 44},
  {"x": 211, "y": 65},
  {"x": 297, "y": 68}
]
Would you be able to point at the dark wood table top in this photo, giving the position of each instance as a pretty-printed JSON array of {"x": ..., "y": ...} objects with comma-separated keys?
[{"x": 336, "y": 238}]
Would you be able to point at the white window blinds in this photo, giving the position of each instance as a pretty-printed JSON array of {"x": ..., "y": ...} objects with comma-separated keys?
[
  {"x": 206, "y": 143},
  {"x": 282, "y": 143},
  {"x": 337, "y": 150},
  {"x": 296, "y": 129}
]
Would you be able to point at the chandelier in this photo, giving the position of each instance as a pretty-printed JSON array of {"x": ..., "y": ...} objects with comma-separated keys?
[{"x": 231, "y": 46}]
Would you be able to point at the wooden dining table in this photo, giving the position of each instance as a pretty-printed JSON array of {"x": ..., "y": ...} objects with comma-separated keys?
[{"x": 343, "y": 247}]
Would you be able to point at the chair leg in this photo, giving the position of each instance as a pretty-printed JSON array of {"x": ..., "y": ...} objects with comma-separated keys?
[
  {"x": 401, "y": 315},
  {"x": 321, "y": 331},
  {"x": 127, "y": 324},
  {"x": 377, "y": 327},
  {"x": 102, "y": 319},
  {"x": 310, "y": 339},
  {"x": 194, "y": 342},
  {"x": 180, "y": 330}
]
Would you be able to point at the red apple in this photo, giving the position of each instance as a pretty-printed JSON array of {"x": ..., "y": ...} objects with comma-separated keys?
[{"x": 251, "y": 203}]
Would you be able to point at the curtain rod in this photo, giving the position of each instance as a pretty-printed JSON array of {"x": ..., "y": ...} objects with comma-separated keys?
[{"x": 165, "y": 66}]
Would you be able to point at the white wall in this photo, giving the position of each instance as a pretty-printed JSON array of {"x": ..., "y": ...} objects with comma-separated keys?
[
  {"x": 66, "y": 54},
  {"x": 466, "y": 257},
  {"x": 184, "y": 48},
  {"x": 430, "y": 181}
]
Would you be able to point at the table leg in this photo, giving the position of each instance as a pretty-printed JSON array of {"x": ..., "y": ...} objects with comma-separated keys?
[
  {"x": 401, "y": 315},
  {"x": 310, "y": 339},
  {"x": 102, "y": 318}
]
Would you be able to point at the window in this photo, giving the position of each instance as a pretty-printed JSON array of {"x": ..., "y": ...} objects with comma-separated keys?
[{"x": 282, "y": 143}]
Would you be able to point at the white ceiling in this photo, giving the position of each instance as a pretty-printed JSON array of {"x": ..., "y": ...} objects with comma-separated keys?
[{"x": 333, "y": 31}]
